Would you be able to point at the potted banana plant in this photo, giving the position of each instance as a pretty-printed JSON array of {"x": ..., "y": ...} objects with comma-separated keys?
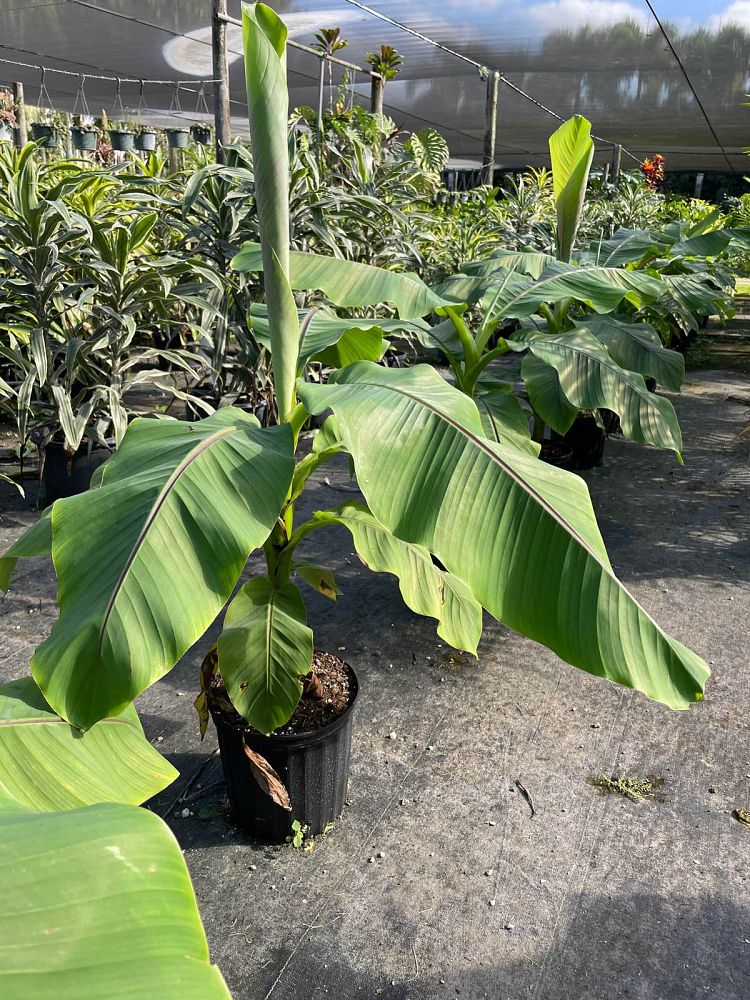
[
  {"x": 150, "y": 556},
  {"x": 579, "y": 358}
]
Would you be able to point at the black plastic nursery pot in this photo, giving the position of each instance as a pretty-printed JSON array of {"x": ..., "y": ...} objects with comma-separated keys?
[
  {"x": 178, "y": 138},
  {"x": 313, "y": 766},
  {"x": 121, "y": 142},
  {"x": 83, "y": 139},
  {"x": 65, "y": 475},
  {"x": 586, "y": 438},
  {"x": 201, "y": 135},
  {"x": 46, "y": 134},
  {"x": 557, "y": 453},
  {"x": 145, "y": 142}
]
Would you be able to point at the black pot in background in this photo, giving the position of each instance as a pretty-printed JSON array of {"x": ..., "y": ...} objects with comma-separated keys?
[
  {"x": 65, "y": 475},
  {"x": 47, "y": 133},
  {"x": 121, "y": 141},
  {"x": 650, "y": 383},
  {"x": 177, "y": 138},
  {"x": 611, "y": 422},
  {"x": 314, "y": 768},
  {"x": 145, "y": 141},
  {"x": 201, "y": 134},
  {"x": 83, "y": 138},
  {"x": 586, "y": 438},
  {"x": 557, "y": 453}
]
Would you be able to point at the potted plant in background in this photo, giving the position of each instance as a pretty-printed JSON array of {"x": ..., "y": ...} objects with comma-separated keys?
[
  {"x": 177, "y": 137},
  {"x": 121, "y": 136},
  {"x": 8, "y": 121},
  {"x": 84, "y": 134},
  {"x": 464, "y": 523},
  {"x": 201, "y": 133},
  {"x": 145, "y": 139},
  {"x": 49, "y": 128}
]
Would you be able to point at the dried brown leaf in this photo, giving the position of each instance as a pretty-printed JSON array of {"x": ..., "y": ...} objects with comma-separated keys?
[{"x": 268, "y": 779}]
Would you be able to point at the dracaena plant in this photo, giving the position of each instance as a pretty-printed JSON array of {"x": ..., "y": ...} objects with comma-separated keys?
[
  {"x": 574, "y": 360},
  {"x": 148, "y": 558}
]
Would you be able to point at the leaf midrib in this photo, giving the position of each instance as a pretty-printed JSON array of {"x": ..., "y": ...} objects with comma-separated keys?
[{"x": 161, "y": 499}]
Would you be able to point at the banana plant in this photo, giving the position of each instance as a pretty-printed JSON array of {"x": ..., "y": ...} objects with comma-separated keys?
[
  {"x": 568, "y": 366},
  {"x": 152, "y": 553}
]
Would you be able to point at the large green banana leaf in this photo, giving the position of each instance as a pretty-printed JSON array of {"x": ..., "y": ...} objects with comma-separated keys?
[
  {"x": 264, "y": 650},
  {"x": 264, "y": 38},
  {"x": 504, "y": 420},
  {"x": 46, "y": 764},
  {"x": 531, "y": 262},
  {"x": 590, "y": 379},
  {"x": 348, "y": 283},
  {"x": 571, "y": 152},
  {"x": 628, "y": 246},
  {"x": 637, "y": 347},
  {"x": 356, "y": 339},
  {"x": 546, "y": 394},
  {"x": 517, "y": 296},
  {"x": 97, "y": 903},
  {"x": 425, "y": 588},
  {"x": 146, "y": 561},
  {"x": 521, "y": 534}
]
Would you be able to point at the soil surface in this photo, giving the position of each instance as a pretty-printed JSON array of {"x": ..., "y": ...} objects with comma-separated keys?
[
  {"x": 596, "y": 897},
  {"x": 327, "y": 695}
]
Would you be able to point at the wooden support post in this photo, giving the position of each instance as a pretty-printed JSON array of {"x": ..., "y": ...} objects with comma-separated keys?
[
  {"x": 221, "y": 74},
  {"x": 68, "y": 139},
  {"x": 376, "y": 95},
  {"x": 490, "y": 127},
  {"x": 605, "y": 176},
  {"x": 321, "y": 88},
  {"x": 616, "y": 162},
  {"x": 22, "y": 135},
  {"x": 699, "y": 178}
]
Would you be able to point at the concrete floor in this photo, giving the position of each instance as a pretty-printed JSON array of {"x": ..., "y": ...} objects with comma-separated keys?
[{"x": 595, "y": 897}]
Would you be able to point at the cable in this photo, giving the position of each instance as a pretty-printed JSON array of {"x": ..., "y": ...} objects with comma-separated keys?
[
  {"x": 689, "y": 82},
  {"x": 477, "y": 65},
  {"x": 98, "y": 76}
]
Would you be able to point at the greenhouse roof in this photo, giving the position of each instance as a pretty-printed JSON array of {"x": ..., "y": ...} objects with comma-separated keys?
[{"x": 659, "y": 77}]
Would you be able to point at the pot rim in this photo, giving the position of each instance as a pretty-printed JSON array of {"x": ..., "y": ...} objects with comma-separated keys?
[{"x": 260, "y": 740}]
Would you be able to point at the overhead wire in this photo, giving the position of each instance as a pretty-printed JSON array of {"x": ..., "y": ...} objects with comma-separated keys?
[
  {"x": 481, "y": 67},
  {"x": 689, "y": 82}
]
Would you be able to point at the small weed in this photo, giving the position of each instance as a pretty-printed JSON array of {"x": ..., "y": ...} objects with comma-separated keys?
[
  {"x": 297, "y": 838},
  {"x": 635, "y": 789}
]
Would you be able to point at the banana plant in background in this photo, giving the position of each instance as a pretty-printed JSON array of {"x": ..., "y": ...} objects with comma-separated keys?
[
  {"x": 574, "y": 361},
  {"x": 95, "y": 891},
  {"x": 149, "y": 556},
  {"x": 691, "y": 260}
]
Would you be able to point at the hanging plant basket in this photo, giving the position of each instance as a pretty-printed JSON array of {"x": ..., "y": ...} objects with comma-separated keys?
[
  {"x": 145, "y": 141},
  {"x": 178, "y": 138},
  {"x": 201, "y": 134},
  {"x": 6, "y": 133},
  {"x": 121, "y": 141},
  {"x": 83, "y": 138},
  {"x": 46, "y": 134}
]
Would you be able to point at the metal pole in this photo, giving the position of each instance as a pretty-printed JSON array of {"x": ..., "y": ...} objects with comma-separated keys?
[
  {"x": 22, "y": 135},
  {"x": 605, "y": 176},
  {"x": 376, "y": 94},
  {"x": 490, "y": 127},
  {"x": 321, "y": 88},
  {"x": 616, "y": 162},
  {"x": 221, "y": 73}
]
